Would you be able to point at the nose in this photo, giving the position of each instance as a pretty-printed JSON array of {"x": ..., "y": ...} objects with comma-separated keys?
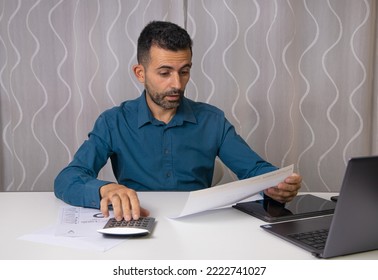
[{"x": 176, "y": 81}]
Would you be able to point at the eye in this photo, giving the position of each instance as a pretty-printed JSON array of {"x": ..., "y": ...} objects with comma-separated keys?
[
  {"x": 185, "y": 72},
  {"x": 164, "y": 74}
]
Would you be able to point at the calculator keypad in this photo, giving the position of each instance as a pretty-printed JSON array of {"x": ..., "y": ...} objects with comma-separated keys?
[{"x": 146, "y": 223}]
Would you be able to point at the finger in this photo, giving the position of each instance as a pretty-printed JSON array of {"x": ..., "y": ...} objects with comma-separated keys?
[
  {"x": 144, "y": 212},
  {"x": 290, "y": 187},
  {"x": 134, "y": 205},
  {"x": 117, "y": 207},
  {"x": 293, "y": 179},
  {"x": 132, "y": 209},
  {"x": 284, "y": 187},
  {"x": 273, "y": 195},
  {"x": 104, "y": 207},
  {"x": 280, "y": 195},
  {"x": 288, "y": 191}
]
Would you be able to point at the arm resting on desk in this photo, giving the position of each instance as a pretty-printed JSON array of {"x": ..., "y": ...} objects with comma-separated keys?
[{"x": 78, "y": 189}]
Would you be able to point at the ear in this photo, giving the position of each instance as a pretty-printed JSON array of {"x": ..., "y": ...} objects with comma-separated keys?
[{"x": 139, "y": 72}]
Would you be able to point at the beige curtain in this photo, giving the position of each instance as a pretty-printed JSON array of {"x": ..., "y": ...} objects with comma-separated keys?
[{"x": 296, "y": 78}]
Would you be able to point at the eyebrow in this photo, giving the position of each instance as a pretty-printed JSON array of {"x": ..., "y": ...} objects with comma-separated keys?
[{"x": 170, "y": 67}]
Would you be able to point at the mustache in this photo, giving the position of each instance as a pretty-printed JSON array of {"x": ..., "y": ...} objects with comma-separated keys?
[{"x": 174, "y": 92}]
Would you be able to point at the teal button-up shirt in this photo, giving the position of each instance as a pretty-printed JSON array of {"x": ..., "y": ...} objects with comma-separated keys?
[{"x": 149, "y": 155}]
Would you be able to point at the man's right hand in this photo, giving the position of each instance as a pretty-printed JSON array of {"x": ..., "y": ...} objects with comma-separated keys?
[{"x": 125, "y": 202}]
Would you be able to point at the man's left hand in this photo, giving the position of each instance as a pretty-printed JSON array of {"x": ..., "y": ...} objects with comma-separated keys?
[{"x": 286, "y": 190}]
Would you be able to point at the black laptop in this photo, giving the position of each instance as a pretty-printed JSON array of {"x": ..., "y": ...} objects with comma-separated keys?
[{"x": 352, "y": 228}]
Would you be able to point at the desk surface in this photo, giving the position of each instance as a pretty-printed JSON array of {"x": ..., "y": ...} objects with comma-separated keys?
[{"x": 218, "y": 234}]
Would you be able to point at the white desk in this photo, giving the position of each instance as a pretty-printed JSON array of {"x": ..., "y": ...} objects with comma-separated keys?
[{"x": 219, "y": 234}]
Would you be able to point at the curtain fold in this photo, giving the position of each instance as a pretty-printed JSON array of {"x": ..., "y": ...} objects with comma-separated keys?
[{"x": 298, "y": 78}]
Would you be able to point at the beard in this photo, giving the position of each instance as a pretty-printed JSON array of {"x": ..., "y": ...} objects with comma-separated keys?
[{"x": 159, "y": 98}]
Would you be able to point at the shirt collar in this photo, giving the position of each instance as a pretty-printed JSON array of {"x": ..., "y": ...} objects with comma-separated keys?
[
  {"x": 144, "y": 113},
  {"x": 184, "y": 112}
]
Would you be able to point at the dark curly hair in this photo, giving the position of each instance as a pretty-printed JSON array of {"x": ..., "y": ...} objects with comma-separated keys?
[{"x": 166, "y": 35}]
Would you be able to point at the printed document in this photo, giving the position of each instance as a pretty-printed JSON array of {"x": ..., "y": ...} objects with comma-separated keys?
[
  {"x": 78, "y": 221},
  {"x": 76, "y": 228},
  {"x": 231, "y": 193}
]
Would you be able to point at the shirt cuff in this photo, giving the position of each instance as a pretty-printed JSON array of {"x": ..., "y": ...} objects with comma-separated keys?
[{"x": 92, "y": 193}]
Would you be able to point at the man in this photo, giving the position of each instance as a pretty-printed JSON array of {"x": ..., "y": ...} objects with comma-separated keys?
[{"x": 161, "y": 141}]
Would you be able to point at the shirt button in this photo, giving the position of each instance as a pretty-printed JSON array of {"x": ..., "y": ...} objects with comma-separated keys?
[
  {"x": 166, "y": 151},
  {"x": 168, "y": 174}
]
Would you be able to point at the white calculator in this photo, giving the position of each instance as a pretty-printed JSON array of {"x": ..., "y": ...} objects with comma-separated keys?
[{"x": 142, "y": 226}]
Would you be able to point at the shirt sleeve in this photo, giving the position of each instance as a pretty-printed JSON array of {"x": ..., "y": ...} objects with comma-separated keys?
[
  {"x": 239, "y": 157},
  {"x": 77, "y": 184}
]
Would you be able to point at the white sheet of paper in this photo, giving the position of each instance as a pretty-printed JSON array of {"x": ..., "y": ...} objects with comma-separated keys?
[
  {"x": 96, "y": 243},
  {"x": 230, "y": 193},
  {"x": 76, "y": 228},
  {"x": 79, "y": 222}
]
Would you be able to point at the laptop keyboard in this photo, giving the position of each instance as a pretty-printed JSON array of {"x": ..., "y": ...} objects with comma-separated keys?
[{"x": 315, "y": 239}]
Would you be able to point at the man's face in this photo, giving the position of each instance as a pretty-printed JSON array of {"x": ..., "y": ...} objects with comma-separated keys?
[{"x": 166, "y": 76}]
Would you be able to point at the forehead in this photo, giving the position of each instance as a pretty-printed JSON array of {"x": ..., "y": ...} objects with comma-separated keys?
[{"x": 160, "y": 57}]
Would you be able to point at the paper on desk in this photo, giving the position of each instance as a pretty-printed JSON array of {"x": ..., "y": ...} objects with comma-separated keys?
[
  {"x": 78, "y": 221},
  {"x": 47, "y": 236},
  {"x": 76, "y": 228},
  {"x": 228, "y": 194}
]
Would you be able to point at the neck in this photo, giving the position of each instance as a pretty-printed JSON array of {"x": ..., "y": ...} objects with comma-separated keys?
[{"x": 164, "y": 116}]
